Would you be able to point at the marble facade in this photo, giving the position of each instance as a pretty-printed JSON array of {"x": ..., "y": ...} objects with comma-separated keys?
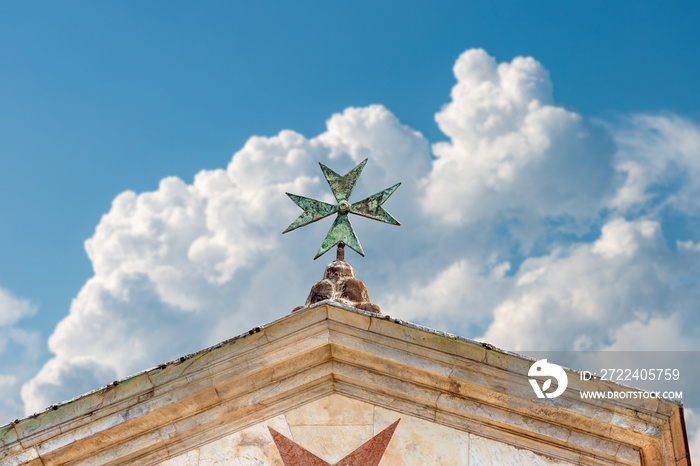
[
  {"x": 335, "y": 425},
  {"x": 329, "y": 379}
]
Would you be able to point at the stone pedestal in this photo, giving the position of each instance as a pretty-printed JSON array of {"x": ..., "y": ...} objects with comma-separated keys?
[{"x": 340, "y": 285}]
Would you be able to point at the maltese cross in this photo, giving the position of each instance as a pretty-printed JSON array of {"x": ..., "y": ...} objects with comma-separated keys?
[
  {"x": 341, "y": 232},
  {"x": 369, "y": 453}
]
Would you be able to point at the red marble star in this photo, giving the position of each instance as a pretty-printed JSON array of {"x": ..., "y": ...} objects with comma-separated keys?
[{"x": 369, "y": 453}]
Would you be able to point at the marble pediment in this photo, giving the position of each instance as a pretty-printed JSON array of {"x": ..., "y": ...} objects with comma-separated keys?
[{"x": 330, "y": 384}]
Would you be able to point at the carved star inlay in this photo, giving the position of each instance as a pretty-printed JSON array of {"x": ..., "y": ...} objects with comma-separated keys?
[
  {"x": 369, "y": 453},
  {"x": 342, "y": 231}
]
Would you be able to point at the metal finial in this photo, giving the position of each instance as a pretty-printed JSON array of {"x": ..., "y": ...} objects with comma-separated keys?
[
  {"x": 340, "y": 252},
  {"x": 342, "y": 232}
]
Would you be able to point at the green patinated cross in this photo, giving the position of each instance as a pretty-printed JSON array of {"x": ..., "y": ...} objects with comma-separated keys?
[{"x": 342, "y": 232}]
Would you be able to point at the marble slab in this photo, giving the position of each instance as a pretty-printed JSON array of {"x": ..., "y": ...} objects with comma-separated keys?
[{"x": 334, "y": 427}]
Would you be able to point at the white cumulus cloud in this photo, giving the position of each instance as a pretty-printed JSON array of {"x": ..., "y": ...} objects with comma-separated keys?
[
  {"x": 459, "y": 299},
  {"x": 512, "y": 150},
  {"x": 592, "y": 295},
  {"x": 659, "y": 159}
]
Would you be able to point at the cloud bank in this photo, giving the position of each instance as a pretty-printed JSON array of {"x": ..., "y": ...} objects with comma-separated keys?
[{"x": 530, "y": 227}]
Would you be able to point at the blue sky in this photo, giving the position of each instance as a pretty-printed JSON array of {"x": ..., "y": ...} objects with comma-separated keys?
[{"x": 101, "y": 98}]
